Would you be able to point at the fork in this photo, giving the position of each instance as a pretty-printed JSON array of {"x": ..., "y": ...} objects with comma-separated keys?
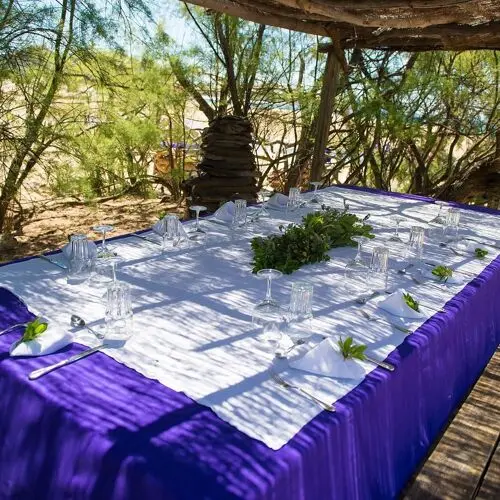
[
  {"x": 287, "y": 385},
  {"x": 369, "y": 317},
  {"x": 11, "y": 327}
]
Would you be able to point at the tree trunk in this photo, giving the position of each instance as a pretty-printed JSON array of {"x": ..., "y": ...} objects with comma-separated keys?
[{"x": 327, "y": 100}]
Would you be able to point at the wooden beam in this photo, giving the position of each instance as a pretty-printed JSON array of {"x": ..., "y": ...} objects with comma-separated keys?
[
  {"x": 437, "y": 37},
  {"x": 327, "y": 100},
  {"x": 408, "y": 17}
]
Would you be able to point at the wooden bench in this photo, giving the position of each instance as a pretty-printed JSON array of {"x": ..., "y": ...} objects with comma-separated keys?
[{"x": 465, "y": 461}]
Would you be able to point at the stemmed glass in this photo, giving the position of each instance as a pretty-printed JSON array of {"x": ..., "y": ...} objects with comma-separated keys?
[
  {"x": 268, "y": 306},
  {"x": 315, "y": 200},
  {"x": 197, "y": 234},
  {"x": 105, "y": 270},
  {"x": 358, "y": 259},
  {"x": 439, "y": 219},
  {"x": 268, "y": 313},
  {"x": 263, "y": 195},
  {"x": 103, "y": 250},
  {"x": 395, "y": 237}
]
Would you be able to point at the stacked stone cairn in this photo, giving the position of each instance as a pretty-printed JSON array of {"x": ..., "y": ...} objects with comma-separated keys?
[{"x": 227, "y": 170}]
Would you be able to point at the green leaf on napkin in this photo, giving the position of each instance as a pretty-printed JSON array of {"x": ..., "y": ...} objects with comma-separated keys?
[
  {"x": 443, "y": 272},
  {"x": 411, "y": 302},
  {"x": 350, "y": 350},
  {"x": 33, "y": 330},
  {"x": 480, "y": 253}
]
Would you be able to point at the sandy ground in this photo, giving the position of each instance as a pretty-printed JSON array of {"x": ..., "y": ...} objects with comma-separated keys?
[{"x": 49, "y": 229}]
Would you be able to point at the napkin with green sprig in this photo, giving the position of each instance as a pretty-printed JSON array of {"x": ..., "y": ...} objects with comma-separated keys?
[
  {"x": 443, "y": 274},
  {"x": 339, "y": 359},
  {"x": 40, "y": 337},
  {"x": 402, "y": 304}
]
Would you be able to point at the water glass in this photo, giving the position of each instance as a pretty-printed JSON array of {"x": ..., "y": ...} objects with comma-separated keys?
[
  {"x": 240, "y": 213},
  {"x": 415, "y": 247},
  {"x": 450, "y": 230},
  {"x": 301, "y": 300},
  {"x": 293, "y": 198},
  {"x": 80, "y": 260},
  {"x": 379, "y": 268},
  {"x": 299, "y": 314},
  {"x": 119, "y": 317},
  {"x": 172, "y": 234}
]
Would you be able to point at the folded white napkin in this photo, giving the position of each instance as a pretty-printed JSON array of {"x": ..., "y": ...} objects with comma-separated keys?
[
  {"x": 181, "y": 232},
  {"x": 51, "y": 340},
  {"x": 278, "y": 200},
  {"x": 225, "y": 212},
  {"x": 66, "y": 249},
  {"x": 325, "y": 359},
  {"x": 452, "y": 280},
  {"x": 395, "y": 304}
]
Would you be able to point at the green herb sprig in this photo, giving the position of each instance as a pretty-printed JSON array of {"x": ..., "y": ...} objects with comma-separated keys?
[
  {"x": 350, "y": 350},
  {"x": 411, "y": 302},
  {"x": 309, "y": 242},
  {"x": 443, "y": 273},
  {"x": 33, "y": 330},
  {"x": 480, "y": 253}
]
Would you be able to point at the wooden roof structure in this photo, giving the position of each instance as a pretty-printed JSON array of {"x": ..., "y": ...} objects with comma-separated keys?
[{"x": 407, "y": 25}]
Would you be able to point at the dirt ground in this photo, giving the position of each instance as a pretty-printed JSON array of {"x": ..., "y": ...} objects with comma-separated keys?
[{"x": 50, "y": 227}]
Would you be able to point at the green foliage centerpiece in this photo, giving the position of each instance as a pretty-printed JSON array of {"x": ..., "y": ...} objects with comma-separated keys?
[{"x": 309, "y": 242}]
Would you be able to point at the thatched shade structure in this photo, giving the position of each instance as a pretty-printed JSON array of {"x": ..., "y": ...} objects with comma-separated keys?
[
  {"x": 405, "y": 25},
  {"x": 408, "y": 25}
]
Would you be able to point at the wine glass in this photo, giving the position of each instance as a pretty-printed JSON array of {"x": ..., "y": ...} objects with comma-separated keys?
[
  {"x": 104, "y": 270},
  {"x": 103, "y": 250},
  {"x": 315, "y": 200},
  {"x": 395, "y": 237},
  {"x": 358, "y": 259},
  {"x": 355, "y": 283},
  {"x": 439, "y": 219},
  {"x": 268, "y": 307},
  {"x": 264, "y": 196},
  {"x": 197, "y": 234}
]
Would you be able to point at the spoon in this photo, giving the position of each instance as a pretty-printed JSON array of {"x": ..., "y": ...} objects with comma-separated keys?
[
  {"x": 283, "y": 354},
  {"x": 80, "y": 322}
]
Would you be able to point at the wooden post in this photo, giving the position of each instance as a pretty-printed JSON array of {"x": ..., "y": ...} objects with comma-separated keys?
[
  {"x": 328, "y": 91},
  {"x": 496, "y": 160}
]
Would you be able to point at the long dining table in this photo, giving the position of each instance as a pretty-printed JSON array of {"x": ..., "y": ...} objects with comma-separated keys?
[{"x": 187, "y": 408}]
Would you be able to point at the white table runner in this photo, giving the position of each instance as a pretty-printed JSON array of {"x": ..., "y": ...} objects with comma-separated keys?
[{"x": 192, "y": 311}]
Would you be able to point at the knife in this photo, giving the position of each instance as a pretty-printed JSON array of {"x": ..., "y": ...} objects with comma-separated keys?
[
  {"x": 146, "y": 239},
  {"x": 382, "y": 364},
  {"x": 43, "y": 371},
  {"x": 43, "y": 257}
]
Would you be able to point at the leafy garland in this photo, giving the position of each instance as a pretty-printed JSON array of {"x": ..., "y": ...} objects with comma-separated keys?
[{"x": 309, "y": 242}]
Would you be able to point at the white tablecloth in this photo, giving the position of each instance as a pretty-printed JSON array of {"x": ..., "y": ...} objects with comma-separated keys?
[{"x": 193, "y": 329}]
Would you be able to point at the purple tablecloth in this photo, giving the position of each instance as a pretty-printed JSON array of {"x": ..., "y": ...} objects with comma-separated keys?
[{"x": 101, "y": 430}]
